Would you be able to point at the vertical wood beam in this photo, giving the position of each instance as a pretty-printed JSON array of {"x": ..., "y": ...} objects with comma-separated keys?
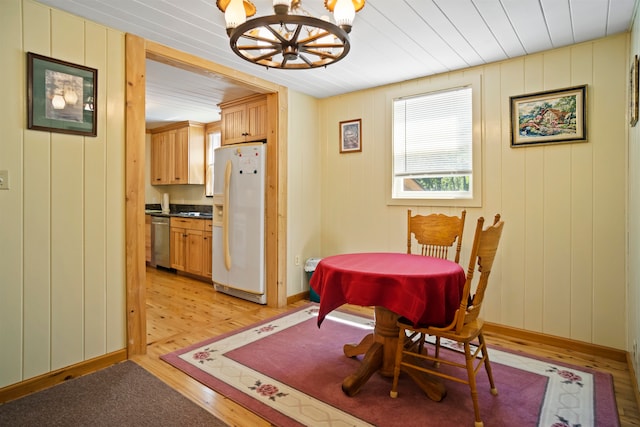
[
  {"x": 135, "y": 192},
  {"x": 276, "y": 227}
]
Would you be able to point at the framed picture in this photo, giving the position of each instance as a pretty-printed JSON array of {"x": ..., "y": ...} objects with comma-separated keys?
[
  {"x": 351, "y": 136},
  {"x": 551, "y": 117},
  {"x": 633, "y": 92},
  {"x": 61, "y": 97}
]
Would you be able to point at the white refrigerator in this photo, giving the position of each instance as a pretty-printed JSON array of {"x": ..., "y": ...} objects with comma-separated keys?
[{"x": 238, "y": 221}]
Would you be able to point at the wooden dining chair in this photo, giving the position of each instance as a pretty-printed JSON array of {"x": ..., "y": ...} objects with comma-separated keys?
[
  {"x": 436, "y": 234},
  {"x": 465, "y": 327}
]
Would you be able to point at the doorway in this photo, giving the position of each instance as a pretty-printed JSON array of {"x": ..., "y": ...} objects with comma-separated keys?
[{"x": 137, "y": 51}]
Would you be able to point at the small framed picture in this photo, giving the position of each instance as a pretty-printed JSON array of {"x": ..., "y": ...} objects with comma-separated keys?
[
  {"x": 61, "y": 96},
  {"x": 633, "y": 92},
  {"x": 351, "y": 136},
  {"x": 551, "y": 117}
]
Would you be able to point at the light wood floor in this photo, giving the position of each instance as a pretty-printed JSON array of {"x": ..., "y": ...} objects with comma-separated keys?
[{"x": 182, "y": 311}]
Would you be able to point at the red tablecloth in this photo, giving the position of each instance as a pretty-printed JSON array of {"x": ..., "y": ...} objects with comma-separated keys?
[{"x": 425, "y": 290}]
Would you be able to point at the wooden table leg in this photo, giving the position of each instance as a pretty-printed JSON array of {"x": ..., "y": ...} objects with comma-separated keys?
[
  {"x": 352, "y": 350},
  {"x": 433, "y": 388},
  {"x": 380, "y": 354},
  {"x": 379, "y": 349},
  {"x": 371, "y": 363}
]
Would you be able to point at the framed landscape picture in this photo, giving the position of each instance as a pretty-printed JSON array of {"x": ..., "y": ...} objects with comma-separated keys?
[
  {"x": 550, "y": 117},
  {"x": 61, "y": 96}
]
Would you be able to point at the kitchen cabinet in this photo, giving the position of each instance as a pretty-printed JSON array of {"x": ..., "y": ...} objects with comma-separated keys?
[
  {"x": 160, "y": 148},
  {"x": 244, "y": 120},
  {"x": 177, "y": 154},
  {"x": 178, "y": 247},
  {"x": 207, "y": 249},
  {"x": 191, "y": 245},
  {"x": 147, "y": 237}
]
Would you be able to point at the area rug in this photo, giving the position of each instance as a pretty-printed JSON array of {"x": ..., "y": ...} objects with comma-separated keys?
[
  {"x": 121, "y": 395},
  {"x": 290, "y": 372}
]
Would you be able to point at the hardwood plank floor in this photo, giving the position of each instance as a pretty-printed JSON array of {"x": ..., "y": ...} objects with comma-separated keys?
[{"x": 182, "y": 311}]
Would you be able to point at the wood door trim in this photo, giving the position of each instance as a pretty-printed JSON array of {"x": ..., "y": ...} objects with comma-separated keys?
[{"x": 137, "y": 51}]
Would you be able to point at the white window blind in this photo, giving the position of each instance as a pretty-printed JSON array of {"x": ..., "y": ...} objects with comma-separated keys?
[{"x": 432, "y": 145}]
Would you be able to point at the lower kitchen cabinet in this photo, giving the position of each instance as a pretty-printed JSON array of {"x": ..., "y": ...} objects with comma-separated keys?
[
  {"x": 191, "y": 246},
  {"x": 207, "y": 250}
]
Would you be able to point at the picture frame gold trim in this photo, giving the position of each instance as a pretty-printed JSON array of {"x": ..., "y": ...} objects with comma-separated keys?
[
  {"x": 549, "y": 117},
  {"x": 61, "y": 97}
]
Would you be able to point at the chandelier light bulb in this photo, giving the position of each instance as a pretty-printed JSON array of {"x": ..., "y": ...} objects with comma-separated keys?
[
  {"x": 235, "y": 14},
  {"x": 281, "y": 7},
  {"x": 328, "y": 39},
  {"x": 344, "y": 13}
]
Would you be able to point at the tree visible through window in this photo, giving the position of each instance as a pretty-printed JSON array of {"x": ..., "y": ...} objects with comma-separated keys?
[{"x": 433, "y": 145}]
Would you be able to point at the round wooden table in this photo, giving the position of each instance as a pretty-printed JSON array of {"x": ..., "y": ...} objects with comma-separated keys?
[{"x": 425, "y": 290}]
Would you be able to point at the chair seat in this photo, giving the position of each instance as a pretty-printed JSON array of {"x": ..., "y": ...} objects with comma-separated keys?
[{"x": 469, "y": 332}]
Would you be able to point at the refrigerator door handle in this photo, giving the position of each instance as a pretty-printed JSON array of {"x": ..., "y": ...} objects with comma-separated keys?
[{"x": 225, "y": 216}]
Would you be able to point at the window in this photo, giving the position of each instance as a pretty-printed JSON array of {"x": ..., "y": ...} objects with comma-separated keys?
[{"x": 435, "y": 148}]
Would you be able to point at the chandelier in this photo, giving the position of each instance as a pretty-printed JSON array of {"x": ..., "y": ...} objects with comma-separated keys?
[{"x": 290, "y": 38}]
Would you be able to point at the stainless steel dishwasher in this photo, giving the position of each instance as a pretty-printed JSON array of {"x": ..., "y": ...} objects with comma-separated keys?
[{"x": 160, "y": 241}]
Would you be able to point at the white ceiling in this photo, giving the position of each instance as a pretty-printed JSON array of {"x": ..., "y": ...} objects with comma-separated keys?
[
  {"x": 174, "y": 95},
  {"x": 391, "y": 41}
]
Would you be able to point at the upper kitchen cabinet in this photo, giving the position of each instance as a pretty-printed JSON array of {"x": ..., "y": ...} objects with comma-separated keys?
[
  {"x": 177, "y": 154},
  {"x": 244, "y": 120}
]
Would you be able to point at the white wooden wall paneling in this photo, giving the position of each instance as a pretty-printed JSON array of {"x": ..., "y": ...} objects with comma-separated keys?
[
  {"x": 114, "y": 129},
  {"x": 609, "y": 179},
  {"x": 581, "y": 208},
  {"x": 633, "y": 218},
  {"x": 492, "y": 147},
  {"x": 35, "y": 349},
  {"x": 11, "y": 202},
  {"x": 95, "y": 202},
  {"x": 506, "y": 176},
  {"x": 550, "y": 270},
  {"x": 71, "y": 300},
  {"x": 533, "y": 310},
  {"x": 67, "y": 214}
]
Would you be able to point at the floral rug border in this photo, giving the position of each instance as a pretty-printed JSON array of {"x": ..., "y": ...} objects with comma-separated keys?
[{"x": 563, "y": 404}]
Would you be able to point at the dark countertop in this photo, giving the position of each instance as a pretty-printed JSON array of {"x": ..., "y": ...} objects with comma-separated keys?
[
  {"x": 197, "y": 215},
  {"x": 182, "y": 211}
]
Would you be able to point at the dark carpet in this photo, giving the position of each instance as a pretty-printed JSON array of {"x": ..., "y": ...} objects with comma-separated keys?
[{"x": 121, "y": 395}]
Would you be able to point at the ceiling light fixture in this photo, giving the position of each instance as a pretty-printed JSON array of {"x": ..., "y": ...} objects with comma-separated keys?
[{"x": 290, "y": 38}]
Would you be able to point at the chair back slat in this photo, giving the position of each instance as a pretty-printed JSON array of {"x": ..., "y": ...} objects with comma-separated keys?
[
  {"x": 483, "y": 253},
  {"x": 435, "y": 234}
]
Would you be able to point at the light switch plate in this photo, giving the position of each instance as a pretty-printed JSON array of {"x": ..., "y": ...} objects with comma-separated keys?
[{"x": 4, "y": 180}]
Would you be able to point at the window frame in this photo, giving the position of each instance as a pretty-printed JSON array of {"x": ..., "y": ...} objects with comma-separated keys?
[{"x": 424, "y": 88}]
